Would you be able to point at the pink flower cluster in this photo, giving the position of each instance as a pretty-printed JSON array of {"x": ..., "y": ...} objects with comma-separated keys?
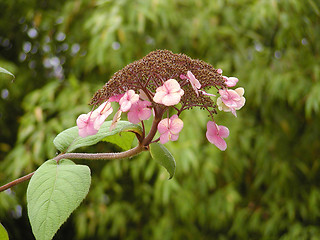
[{"x": 139, "y": 108}]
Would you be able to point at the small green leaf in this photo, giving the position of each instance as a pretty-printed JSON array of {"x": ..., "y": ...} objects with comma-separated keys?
[
  {"x": 69, "y": 140},
  {"x": 163, "y": 157},
  {"x": 54, "y": 192},
  {"x": 2, "y": 70},
  {"x": 3, "y": 233}
]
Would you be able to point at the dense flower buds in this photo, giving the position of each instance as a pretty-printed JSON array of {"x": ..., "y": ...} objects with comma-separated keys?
[{"x": 161, "y": 81}]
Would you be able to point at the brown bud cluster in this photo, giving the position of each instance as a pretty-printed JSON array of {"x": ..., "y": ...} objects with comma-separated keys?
[{"x": 154, "y": 69}]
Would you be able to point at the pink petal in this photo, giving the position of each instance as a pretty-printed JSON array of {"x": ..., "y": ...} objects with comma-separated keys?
[
  {"x": 231, "y": 81},
  {"x": 82, "y": 120},
  {"x": 133, "y": 117},
  {"x": 219, "y": 142},
  {"x": 83, "y": 132},
  {"x": 163, "y": 125},
  {"x": 194, "y": 82},
  {"x": 176, "y": 126},
  {"x": 172, "y": 85},
  {"x": 159, "y": 96},
  {"x": 171, "y": 99},
  {"x": 174, "y": 137},
  {"x": 165, "y": 137},
  {"x": 125, "y": 106},
  {"x": 223, "y": 131},
  {"x": 144, "y": 114}
]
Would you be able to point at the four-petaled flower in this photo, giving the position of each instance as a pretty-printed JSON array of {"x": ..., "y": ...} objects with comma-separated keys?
[
  {"x": 129, "y": 98},
  {"x": 169, "y": 129},
  {"x": 216, "y": 134},
  {"x": 139, "y": 111},
  {"x": 231, "y": 100},
  {"x": 169, "y": 93}
]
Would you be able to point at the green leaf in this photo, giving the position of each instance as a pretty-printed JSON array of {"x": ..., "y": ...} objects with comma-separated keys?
[
  {"x": 54, "y": 192},
  {"x": 3, "y": 233},
  {"x": 163, "y": 157},
  {"x": 69, "y": 140},
  {"x": 2, "y": 70},
  {"x": 123, "y": 140}
]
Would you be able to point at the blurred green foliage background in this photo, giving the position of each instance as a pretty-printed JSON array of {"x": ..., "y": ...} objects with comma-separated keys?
[{"x": 264, "y": 186}]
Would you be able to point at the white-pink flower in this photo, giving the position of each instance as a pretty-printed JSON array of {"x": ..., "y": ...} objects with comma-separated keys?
[
  {"x": 194, "y": 82},
  {"x": 169, "y": 129},
  {"x": 230, "y": 81},
  {"x": 129, "y": 98},
  {"x": 90, "y": 123},
  {"x": 231, "y": 100},
  {"x": 139, "y": 111},
  {"x": 169, "y": 93},
  {"x": 216, "y": 134}
]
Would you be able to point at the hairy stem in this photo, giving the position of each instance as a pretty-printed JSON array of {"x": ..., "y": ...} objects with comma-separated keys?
[
  {"x": 88, "y": 156},
  {"x": 101, "y": 156}
]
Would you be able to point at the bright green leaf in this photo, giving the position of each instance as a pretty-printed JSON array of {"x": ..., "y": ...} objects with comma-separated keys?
[
  {"x": 163, "y": 157},
  {"x": 2, "y": 70},
  {"x": 3, "y": 233},
  {"x": 69, "y": 140},
  {"x": 54, "y": 192}
]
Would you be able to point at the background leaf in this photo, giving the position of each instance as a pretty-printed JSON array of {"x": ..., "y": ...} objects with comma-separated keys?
[
  {"x": 2, "y": 70},
  {"x": 53, "y": 193},
  {"x": 163, "y": 157},
  {"x": 3, "y": 233},
  {"x": 69, "y": 140}
]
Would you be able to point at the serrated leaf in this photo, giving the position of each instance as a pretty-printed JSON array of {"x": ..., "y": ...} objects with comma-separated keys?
[
  {"x": 2, "y": 70},
  {"x": 69, "y": 140},
  {"x": 54, "y": 192},
  {"x": 163, "y": 157},
  {"x": 3, "y": 233}
]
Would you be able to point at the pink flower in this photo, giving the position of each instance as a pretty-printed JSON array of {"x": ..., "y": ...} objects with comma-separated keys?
[
  {"x": 216, "y": 134},
  {"x": 86, "y": 125},
  {"x": 231, "y": 81},
  {"x": 129, "y": 98},
  {"x": 194, "y": 82},
  {"x": 104, "y": 110},
  {"x": 231, "y": 100},
  {"x": 169, "y": 129},
  {"x": 169, "y": 93},
  {"x": 90, "y": 123},
  {"x": 219, "y": 70},
  {"x": 139, "y": 111}
]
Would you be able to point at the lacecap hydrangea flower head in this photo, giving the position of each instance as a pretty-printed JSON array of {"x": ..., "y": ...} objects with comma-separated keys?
[{"x": 161, "y": 81}]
